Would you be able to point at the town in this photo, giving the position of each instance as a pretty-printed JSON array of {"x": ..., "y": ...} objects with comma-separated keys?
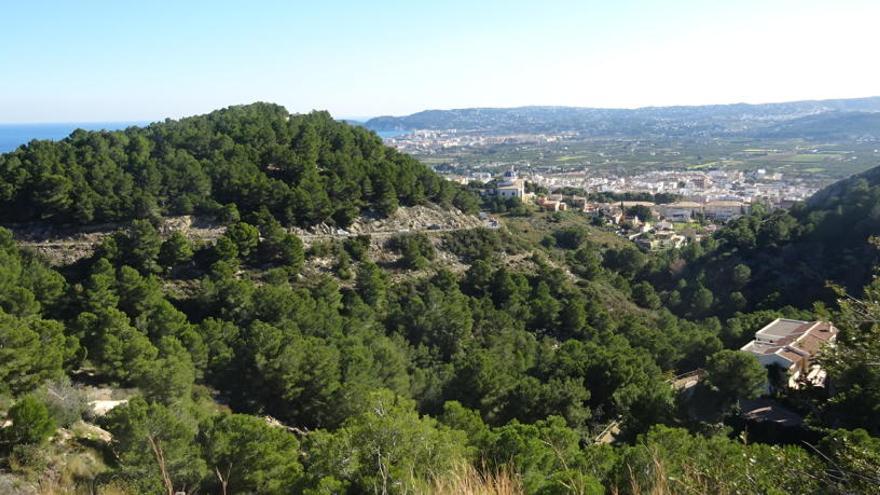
[
  {"x": 689, "y": 205},
  {"x": 772, "y": 172}
]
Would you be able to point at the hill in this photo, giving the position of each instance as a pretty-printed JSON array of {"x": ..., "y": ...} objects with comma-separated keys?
[
  {"x": 769, "y": 259},
  {"x": 414, "y": 348},
  {"x": 838, "y": 190},
  {"x": 303, "y": 169},
  {"x": 829, "y": 126},
  {"x": 672, "y": 121}
]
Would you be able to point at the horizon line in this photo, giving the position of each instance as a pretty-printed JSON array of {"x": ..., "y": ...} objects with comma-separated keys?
[{"x": 362, "y": 119}]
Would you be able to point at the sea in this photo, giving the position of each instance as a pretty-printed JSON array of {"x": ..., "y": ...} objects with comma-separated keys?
[
  {"x": 391, "y": 134},
  {"x": 14, "y": 135}
]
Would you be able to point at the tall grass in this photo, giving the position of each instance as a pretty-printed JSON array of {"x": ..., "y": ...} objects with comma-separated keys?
[
  {"x": 467, "y": 480},
  {"x": 656, "y": 480},
  {"x": 651, "y": 479}
]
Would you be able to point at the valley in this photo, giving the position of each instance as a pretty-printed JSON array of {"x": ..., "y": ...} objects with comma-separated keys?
[
  {"x": 440, "y": 248},
  {"x": 296, "y": 304}
]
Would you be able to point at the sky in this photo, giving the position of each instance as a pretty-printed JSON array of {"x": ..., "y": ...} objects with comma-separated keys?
[{"x": 127, "y": 60}]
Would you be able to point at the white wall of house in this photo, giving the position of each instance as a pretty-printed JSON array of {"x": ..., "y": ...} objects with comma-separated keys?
[
  {"x": 771, "y": 359},
  {"x": 510, "y": 193}
]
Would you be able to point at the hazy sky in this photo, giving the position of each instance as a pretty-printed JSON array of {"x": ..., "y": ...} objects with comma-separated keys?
[{"x": 93, "y": 60}]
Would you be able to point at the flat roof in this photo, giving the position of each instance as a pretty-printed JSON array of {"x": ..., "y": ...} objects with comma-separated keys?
[
  {"x": 762, "y": 348},
  {"x": 783, "y": 327},
  {"x": 792, "y": 340},
  {"x": 683, "y": 204}
]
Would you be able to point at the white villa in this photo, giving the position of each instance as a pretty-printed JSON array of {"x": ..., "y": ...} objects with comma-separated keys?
[
  {"x": 511, "y": 186},
  {"x": 793, "y": 345}
]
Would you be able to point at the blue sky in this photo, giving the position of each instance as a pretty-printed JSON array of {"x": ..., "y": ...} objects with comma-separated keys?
[{"x": 94, "y": 60}]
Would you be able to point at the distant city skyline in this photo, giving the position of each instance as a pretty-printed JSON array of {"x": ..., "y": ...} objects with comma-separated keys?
[{"x": 104, "y": 61}]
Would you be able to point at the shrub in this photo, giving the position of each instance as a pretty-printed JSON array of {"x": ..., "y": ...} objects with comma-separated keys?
[
  {"x": 416, "y": 250},
  {"x": 473, "y": 244},
  {"x": 66, "y": 403},
  {"x": 31, "y": 422},
  {"x": 358, "y": 246},
  {"x": 29, "y": 458},
  {"x": 571, "y": 237}
]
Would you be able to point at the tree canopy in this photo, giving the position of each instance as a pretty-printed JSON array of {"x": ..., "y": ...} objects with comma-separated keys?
[
  {"x": 303, "y": 169},
  {"x": 251, "y": 364}
]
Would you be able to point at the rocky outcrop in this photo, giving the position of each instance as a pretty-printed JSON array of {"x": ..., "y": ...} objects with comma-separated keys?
[{"x": 65, "y": 245}]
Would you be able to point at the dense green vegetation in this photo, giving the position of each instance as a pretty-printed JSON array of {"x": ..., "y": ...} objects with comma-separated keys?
[
  {"x": 611, "y": 197},
  {"x": 380, "y": 377},
  {"x": 768, "y": 260},
  {"x": 303, "y": 169}
]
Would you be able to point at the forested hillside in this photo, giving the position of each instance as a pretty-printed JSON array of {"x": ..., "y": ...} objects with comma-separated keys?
[
  {"x": 511, "y": 357},
  {"x": 304, "y": 169},
  {"x": 770, "y": 259}
]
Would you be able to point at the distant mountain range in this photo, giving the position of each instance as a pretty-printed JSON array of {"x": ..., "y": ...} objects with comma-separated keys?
[{"x": 843, "y": 118}]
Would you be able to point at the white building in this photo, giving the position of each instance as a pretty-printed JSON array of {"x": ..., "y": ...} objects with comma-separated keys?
[
  {"x": 793, "y": 345},
  {"x": 682, "y": 211},
  {"x": 511, "y": 186},
  {"x": 725, "y": 210}
]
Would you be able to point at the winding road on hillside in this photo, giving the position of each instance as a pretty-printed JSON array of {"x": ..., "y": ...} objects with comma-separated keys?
[{"x": 67, "y": 249}]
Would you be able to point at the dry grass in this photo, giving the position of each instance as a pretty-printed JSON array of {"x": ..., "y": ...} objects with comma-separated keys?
[
  {"x": 467, "y": 480},
  {"x": 60, "y": 472},
  {"x": 657, "y": 481}
]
